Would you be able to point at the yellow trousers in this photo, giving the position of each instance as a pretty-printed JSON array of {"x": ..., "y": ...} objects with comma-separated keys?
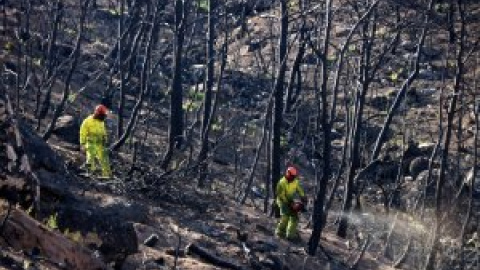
[
  {"x": 97, "y": 152},
  {"x": 287, "y": 226}
]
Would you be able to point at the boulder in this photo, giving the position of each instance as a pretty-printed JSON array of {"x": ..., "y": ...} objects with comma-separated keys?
[
  {"x": 418, "y": 165},
  {"x": 67, "y": 129},
  {"x": 115, "y": 237},
  {"x": 426, "y": 148},
  {"x": 127, "y": 210}
]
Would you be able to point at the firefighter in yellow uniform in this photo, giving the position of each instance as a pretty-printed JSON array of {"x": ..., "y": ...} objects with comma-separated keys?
[
  {"x": 93, "y": 139},
  {"x": 288, "y": 188}
]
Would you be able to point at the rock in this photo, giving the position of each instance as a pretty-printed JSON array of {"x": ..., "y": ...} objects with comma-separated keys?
[
  {"x": 116, "y": 237},
  {"x": 143, "y": 231},
  {"x": 417, "y": 166},
  {"x": 151, "y": 240},
  {"x": 220, "y": 219},
  {"x": 426, "y": 148},
  {"x": 412, "y": 151},
  {"x": 67, "y": 128},
  {"x": 127, "y": 210}
]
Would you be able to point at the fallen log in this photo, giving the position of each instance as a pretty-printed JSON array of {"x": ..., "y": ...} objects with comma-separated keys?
[
  {"x": 25, "y": 233},
  {"x": 212, "y": 258}
]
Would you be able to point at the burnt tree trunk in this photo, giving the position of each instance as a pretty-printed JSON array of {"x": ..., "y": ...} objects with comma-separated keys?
[
  {"x": 277, "y": 117},
  {"x": 318, "y": 216},
  {"x": 175, "y": 128},
  {"x": 207, "y": 103}
]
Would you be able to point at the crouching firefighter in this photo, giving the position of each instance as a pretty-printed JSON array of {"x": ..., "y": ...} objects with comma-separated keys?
[
  {"x": 288, "y": 191},
  {"x": 93, "y": 139}
]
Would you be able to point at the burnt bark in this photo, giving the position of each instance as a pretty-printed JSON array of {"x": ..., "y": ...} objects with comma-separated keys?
[
  {"x": 207, "y": 103},
  {"x": 318, "y": 215},
  {"x": 176, "y": 124},
  {"x": 277, "y": 117}
]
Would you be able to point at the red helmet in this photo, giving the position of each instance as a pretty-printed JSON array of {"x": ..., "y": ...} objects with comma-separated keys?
[
  {"x": 291, "y": 171},
  {"x": 101, "y": 110}
]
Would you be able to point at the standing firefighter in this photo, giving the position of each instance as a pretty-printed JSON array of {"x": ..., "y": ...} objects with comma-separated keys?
[
  {"x": 288, "y": 189},
  {"x": 93, "y": 139}
]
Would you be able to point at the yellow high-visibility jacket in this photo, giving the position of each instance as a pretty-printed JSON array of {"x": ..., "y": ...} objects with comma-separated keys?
[
  {"x": 93, "y": 131},
  {"x": 286, "y": 191}
]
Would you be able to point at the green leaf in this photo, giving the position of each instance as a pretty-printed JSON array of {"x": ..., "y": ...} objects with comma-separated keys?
[
  {"x": 37, "y": 62},
  {"x": 191, "y": 105},
  {"x": 216, "y": 127},
  {"x": 52, "y": 221},
  {"x": 8, "y": 46},
  {"x": 283, "y": 141},
  {"x": 203, "y": 5},
  {"x": 72, "y": 97},
  {"x": 394, "y": 76}
]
